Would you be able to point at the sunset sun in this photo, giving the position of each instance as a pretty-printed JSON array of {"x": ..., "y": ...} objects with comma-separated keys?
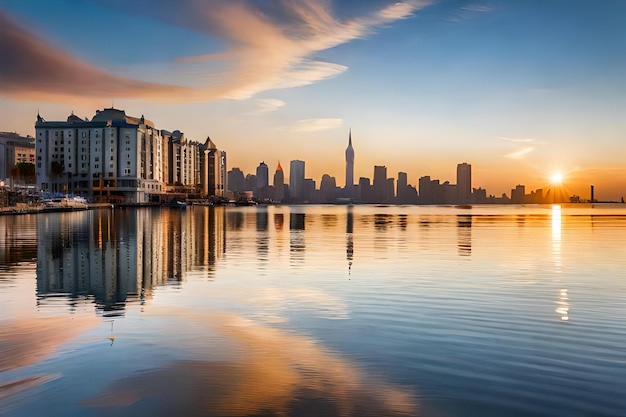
[{"x": 556, "y": 178}]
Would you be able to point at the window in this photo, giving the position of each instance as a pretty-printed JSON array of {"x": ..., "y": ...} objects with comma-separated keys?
[
  {"x": 112, "y": 158},
  {"x": 96, "y": 166},
  {"x": 38, "y": 164},
  {"x": 84, "y": 134}
]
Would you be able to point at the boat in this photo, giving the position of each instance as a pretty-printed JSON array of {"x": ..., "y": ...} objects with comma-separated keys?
[
  {"x": 177, "y": 204},
  {"x": 65, "y": 203}
]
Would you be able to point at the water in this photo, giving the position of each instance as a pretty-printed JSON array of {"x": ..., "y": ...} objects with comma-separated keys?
[{"x": 314, "y": 311}]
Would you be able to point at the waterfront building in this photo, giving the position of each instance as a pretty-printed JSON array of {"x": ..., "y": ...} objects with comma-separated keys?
[
  {"x": 349, "y": 164},
  {"x": 119, "y": 158},
  {"x": 518, "y": 194},
  {"x": 382, "y": 186},
  {"x": 365, "y": 190},
  {"x": 236, "y": 181},
  {"x": 279, "y": 184},
  {"x": 14, "y": 150},
  {"x": 261, "y": 191},
  {"x": 328, "y": 189},
  {"x": 296, "y": 180},
  {"x": 464, "y": 183}
]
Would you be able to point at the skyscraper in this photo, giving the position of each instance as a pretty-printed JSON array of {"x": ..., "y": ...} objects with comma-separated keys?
[
  {"x": 279, "y": 183},
  {"x": 296, "y": 179},
  {"x": 464, "y": 183},
  {"x": 262, "y": 175},
  {"x": 262, "y": 181},
  {"x": 349, "y": 163}
]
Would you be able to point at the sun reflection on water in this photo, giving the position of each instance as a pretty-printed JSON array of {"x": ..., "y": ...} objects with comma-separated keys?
[{"x": 556, "y": 237}]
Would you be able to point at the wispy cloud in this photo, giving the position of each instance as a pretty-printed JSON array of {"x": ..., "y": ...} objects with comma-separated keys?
[
  {"x": 266, "y": 105},
  {"x": 520, "y": 154},
  {"x": 267, "y": 45},
  {"x": 469, "y": 12},
  {"x": 313, "y": 125},
  {"x": 516, "y": 140}
]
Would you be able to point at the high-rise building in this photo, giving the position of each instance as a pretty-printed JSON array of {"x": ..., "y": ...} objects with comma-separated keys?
[
  {"x": 262, "y": 181},
  {"x": 262, "y": 175},
  {"x": 380, "y": 183},
  {"x": 464, "y": 183},
  {"x": 279, "y": 183},
  {"x": 296, "y": 179},
  {"x": 236, "y": 182},
  {"x": 349, "y": 163}
]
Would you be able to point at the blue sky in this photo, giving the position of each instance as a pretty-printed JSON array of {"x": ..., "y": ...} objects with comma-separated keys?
[{"x": 517, "y": 88}]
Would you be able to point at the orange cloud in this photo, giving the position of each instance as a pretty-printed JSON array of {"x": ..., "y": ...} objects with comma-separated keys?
[
  {"x": 266, "y": 47},
  {"x": 32, "y": 68}
]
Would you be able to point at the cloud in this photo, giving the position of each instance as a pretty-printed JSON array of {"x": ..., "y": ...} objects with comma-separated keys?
[
  {"x": 520, "y": 154},
  {"x": 267, "y": 45},
  {"x": 477, "y": 8},
  {"x": 33, "y": 68},
  {"x": 266, "y": 105},
  {"x": 314, "y": 125},
  {"x": 469, "y": 12},
  {"x": 516, "y": 140}
]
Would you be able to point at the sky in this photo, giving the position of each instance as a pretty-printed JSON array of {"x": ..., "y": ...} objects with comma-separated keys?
[{"x": 520, "y": 89}]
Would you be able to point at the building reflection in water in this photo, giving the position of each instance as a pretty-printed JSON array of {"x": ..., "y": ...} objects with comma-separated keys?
[
  {"x": 350, "y": 236},
  {"x": 279, "y": 220},
  {"x": 464, "y": 234},
  {"x": 297, "y": 244},
  {"x": 262, "y": 236},
  {"x": 116, "y": 257}
]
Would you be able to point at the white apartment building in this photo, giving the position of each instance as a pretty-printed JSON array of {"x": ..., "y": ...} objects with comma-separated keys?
[{"x": 115, "y": 158}]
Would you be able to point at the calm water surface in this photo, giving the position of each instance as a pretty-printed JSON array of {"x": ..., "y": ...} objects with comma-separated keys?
[{"x": 314, "y": 311}]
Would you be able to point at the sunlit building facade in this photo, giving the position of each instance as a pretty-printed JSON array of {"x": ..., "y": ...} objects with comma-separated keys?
[{"x": 119, "y": 158}]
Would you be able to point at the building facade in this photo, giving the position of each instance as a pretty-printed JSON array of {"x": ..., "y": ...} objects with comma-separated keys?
[
  {"x": 296, "y": 180},
  {"x": 119, "y": 158},
  {"x": 14, "y": 150}
]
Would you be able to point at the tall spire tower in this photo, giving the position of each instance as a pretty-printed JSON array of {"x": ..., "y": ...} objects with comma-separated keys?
[{"x": 349, "y": 163}]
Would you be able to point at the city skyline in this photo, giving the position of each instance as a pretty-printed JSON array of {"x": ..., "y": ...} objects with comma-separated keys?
[{"x": 521, "y": 90}]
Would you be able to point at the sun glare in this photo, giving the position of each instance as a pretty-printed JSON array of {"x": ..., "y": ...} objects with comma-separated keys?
[{"x": 556, "y": 178}]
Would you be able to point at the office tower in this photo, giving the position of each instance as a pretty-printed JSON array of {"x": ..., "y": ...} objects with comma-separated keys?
[
  {"x": 518, "y": 194},
  {"x": 425, "y": 194},
  {"x": 402, "y": 188},
  {"x": 236, "y": 182},
  {"x": 349, "y": 163},
  {"x": 279, "y": 183},
  {"x": 380, "y": 183},
  {"x": 365, "y": 190},
  {"x": 464, "y": 183},
  {"x": 262, "y": 175},
  {"x": 296, "y": 179},
  {"x": 328, "y": 189}
]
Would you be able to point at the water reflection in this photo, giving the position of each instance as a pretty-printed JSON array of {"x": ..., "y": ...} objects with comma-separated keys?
[
  {"x": 18, "y": 241},
  {"x": 260, "y": 371},
  {"x": 464, "y": 234},
  {"x": 297, "y": 244},
  {"x": 556, "y": 237},
  {"x": 113, "y": 258}
]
